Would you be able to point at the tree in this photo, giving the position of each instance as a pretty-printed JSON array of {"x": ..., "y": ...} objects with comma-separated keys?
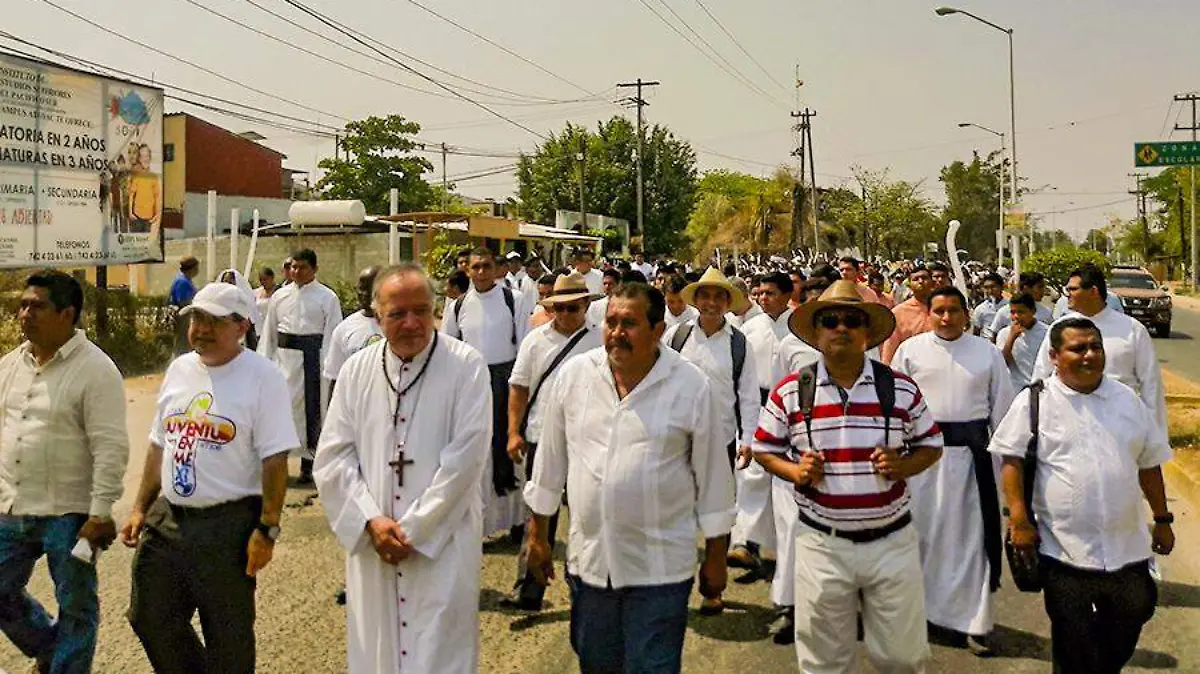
[
  {"x": 378, "y": 158},
  {"x": 973, "y": 198},
  {"x": 1058, "y": 263},
  {"x": 888, "y": 218},
  {"x": 1097, "y": 240},
  {"x": 740, "y": 210},
  {"x": 548, "y": 179}
]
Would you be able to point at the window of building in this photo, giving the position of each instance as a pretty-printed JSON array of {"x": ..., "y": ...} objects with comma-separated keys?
[{"x": 169, "y": 152}]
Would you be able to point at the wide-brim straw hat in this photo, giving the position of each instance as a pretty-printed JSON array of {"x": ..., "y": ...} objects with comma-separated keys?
[
  {"x": 738, "y": 302},
  {"x": 843, "y": 294},
  {"x": 568, "y": 288}
]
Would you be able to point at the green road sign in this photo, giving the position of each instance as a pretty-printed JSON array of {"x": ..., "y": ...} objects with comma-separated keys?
[{"x": 1166, "y": 154}]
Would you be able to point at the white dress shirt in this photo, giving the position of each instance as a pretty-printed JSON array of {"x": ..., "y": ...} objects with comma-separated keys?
[
  {"x": 647, "y": 474},
  {"x": 537, "y": 351},
  {"x": 1024, "y": 352},
  {"x": 689, "y": 314},
  {"x": 1128, "y": 355},
  {"x": 985, "y": 311},
  {"x": 763, "y": 338},
  {"x": 595, "y": 281},
  {"x": 596, "y": 312},
  {"x": 1112, "y": 301},
  {"x": 1086, "y": 494},
  {"x": 486, "y": 324},
  {"x": 714, "y": 355},
  {"x": 355, "y": 333},
  {"x": 63, "y": 445},
  {"x": 1003, "y": 319}
]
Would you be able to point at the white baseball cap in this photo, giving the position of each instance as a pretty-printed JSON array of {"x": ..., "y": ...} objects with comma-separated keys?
[{"x": 219, "y": 300}]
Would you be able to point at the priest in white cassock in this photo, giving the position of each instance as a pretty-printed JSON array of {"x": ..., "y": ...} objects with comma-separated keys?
[
  {"x": 398, "y": 471},
  {"x": 296, "y": 335},
  {"x": 494, "y": 320},
  {"x": 956, "y": 503}
]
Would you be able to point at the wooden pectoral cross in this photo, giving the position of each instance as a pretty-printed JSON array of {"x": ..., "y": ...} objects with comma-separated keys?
[{"x": 398, "y": 466}]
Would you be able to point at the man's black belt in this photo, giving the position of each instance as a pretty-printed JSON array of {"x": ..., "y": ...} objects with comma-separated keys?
[
  {"x": 858, "y": 535},
  {"x": 975, "y": 435},
  {"x": 309, "y": 347}
]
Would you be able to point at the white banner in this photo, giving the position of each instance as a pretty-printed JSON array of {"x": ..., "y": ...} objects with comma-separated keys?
[{"x": 80, "y": 168}]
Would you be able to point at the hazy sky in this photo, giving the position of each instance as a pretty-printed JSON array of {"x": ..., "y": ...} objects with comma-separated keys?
[{"x": 889, "y": 79}]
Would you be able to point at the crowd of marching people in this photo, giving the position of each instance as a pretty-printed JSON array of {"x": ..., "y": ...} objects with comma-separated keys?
[{"x": 875, "y": 441}]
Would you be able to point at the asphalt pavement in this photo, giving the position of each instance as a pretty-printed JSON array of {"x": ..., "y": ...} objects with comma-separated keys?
[{"x": 1178, "y": 354}]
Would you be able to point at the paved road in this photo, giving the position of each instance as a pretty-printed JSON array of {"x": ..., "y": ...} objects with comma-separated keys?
[{"x": 1178, "y": 354}]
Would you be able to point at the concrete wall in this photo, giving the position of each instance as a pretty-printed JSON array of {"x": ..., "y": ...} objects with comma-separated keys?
[{"x": 195, "y": 212}]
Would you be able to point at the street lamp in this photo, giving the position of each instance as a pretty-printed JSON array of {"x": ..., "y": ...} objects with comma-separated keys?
[
  {"x": 1000, "y": 241},
  {"x": 1012, "y": 94}
]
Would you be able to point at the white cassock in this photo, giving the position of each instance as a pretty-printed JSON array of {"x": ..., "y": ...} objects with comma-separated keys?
[
  {"x": 307, "y": 313},
  {"x": 755, "y": 521},
  {"x": 963, "y": 380},
  {"x": 421, "y": 615}
]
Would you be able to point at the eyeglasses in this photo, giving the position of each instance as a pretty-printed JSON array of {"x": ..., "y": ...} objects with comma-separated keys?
[
  {"x": 852, "y": 321},
  {"x": 567, "y": 308}
]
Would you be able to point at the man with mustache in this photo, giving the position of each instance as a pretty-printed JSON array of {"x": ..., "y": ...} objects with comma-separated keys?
[
  {"x": 632, "y": 429},
  {"x": 1099, "y": 451}
]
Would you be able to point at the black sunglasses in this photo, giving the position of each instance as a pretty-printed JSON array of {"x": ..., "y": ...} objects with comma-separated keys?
[
  {"x": 852, "y": 320},
  {"x": 567, "y": 308}
]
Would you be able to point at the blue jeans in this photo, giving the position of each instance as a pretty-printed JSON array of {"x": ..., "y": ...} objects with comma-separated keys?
[
  {"x": 68, "y": 644},
  {"x": 633, "y": 630}
]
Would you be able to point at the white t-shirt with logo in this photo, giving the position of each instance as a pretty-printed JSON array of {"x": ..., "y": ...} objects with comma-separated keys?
[
  {"x": 216, "y": 425},
  {"x": 355, "y": 333}
]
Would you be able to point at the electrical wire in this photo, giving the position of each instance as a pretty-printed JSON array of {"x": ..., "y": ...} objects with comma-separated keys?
[
  {"x": 497, "y": 45},
  {"x": 184, "y": 61},
  {"x": 351, "y": 34},
  {"x": 736, "y": 42}
]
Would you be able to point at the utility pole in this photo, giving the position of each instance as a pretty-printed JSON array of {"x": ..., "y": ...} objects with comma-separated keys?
[
  {"x": 1195, "y": 261},
  {"x": 445, "y": 185},
  {"x": 1140, "y": 194},
  {"x": 641, "y": 141},
  {"x": 803, "y": 150}
]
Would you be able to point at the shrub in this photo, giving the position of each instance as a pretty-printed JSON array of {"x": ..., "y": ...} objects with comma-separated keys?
[{"x": 1058, "y": 263}]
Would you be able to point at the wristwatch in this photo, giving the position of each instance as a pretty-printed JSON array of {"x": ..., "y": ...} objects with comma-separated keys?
[
  {"x": 271, "y": 531},
  {"x": 1168, "y": 518}
]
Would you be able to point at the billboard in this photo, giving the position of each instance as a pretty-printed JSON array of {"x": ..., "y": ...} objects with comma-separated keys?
[{"x": 80, "y": 168}]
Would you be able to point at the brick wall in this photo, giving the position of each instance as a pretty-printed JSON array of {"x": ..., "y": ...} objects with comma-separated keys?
[{"x": 222, "y": 161}]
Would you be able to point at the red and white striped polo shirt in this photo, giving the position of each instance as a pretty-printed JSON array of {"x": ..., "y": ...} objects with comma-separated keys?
[{"x": 847, "y": 426}]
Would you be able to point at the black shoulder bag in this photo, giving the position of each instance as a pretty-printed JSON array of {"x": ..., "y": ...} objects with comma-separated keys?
[{"x": 1027, "y": 577}]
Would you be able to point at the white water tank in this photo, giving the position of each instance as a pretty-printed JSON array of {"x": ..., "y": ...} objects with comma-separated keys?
[{"x": 327, "y": 213}]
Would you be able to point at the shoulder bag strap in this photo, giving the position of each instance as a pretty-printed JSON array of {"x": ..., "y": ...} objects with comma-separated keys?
[{"x": 558, "y": 359}]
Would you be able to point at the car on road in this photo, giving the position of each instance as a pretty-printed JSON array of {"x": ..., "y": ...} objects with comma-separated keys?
[{"x": 1142, "y": 298}]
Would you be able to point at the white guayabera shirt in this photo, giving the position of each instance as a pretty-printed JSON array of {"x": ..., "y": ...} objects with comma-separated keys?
[{"x": 646, "y": 474}]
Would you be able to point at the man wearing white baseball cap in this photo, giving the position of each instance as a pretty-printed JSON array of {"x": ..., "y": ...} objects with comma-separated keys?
[{"x": 218, "y": 452}]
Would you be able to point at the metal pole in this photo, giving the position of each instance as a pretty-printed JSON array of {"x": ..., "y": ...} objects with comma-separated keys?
[
  {"x": 235, "y": 217},
  {"x": 812, "y": 169},
  {"x": 445, "y": 185},
  {"x": 640, "y": 143},
  {"x": 582, "y": 173},
  {"x": 1000, "y": 188},
  {"x": 253, "y": 246},
  {"x": 1192, "y": 178},
  {"x": 393, "y": 228},
  {"x": 210, "y": 251},
  {"x": 1012, "y": 120}
]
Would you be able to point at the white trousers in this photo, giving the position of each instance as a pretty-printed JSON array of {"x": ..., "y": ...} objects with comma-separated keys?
[
  {"x": 787, "y": 526},
  {"x": 755, "y": 522},
  {"x": 830, "y": 573}
]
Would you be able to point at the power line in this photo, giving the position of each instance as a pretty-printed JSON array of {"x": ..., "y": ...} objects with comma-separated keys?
[
  {"x": 189, "y": 63},
  {"x": 711, "y": 48},
  {"x": 351, "y": 34},
  {"x": 741, "y": 79},
  {"x": 739, "y": 44},
  {"x": 497, "y": 45},
  {"x": 103, "y": 69},
  {"x": 359, "y": 36}
]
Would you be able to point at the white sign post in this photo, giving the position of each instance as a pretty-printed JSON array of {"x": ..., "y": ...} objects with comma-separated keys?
[{"x": 80, "y": 168}]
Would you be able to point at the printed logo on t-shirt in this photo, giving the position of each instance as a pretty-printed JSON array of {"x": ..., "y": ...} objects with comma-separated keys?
[
  {"x": 190, "y": 430},
  {"x": 376, "y": 337}
]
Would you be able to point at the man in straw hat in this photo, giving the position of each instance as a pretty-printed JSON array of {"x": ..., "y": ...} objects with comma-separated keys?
[
  {"x": 542, "y": 354},
  {"x": 720, "y": 350},
  {"x": 848, "y": 432}
]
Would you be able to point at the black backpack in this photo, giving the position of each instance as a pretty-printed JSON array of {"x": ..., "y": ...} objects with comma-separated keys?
[
  {"x": 508, "y": 300},
  {"x": 885, "y": 390}
]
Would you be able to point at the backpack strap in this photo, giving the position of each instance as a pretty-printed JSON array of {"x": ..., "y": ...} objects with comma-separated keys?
[
  {"x": 1035, "y": 412},
  {"x": 885, "y": 391},
  {"x": 682, "y": 333},
  {"x": 512, "y": 309},
  {"x": 807, "y": 382},
  {"x": 458, "y": 313},
  {"x": 737, "y": 345}
]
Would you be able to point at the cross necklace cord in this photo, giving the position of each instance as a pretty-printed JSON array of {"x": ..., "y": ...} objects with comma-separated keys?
[{"x": 400, "y": 462}]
